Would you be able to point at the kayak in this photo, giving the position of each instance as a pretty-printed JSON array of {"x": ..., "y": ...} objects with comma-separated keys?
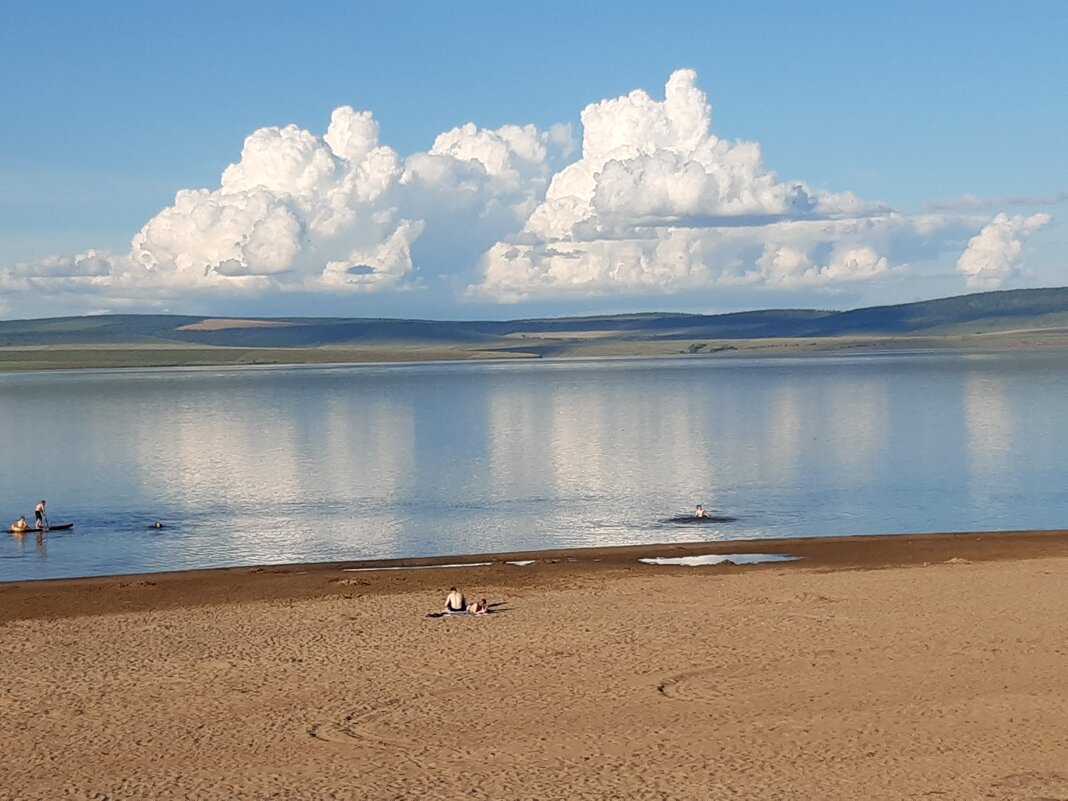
[{"x": 56, "y": 527}]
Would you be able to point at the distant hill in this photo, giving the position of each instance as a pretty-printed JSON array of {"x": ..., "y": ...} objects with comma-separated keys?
[{"x": 988, "y": 312}]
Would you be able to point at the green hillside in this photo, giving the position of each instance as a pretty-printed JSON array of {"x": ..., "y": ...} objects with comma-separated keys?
[{"x": 176, "y": 339}]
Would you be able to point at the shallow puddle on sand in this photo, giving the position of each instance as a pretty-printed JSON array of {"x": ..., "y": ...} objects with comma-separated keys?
[{"x": 720, "y": 558}]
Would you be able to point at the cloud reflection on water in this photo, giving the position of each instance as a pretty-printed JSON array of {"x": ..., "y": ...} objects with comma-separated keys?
[
  {"x": 259, "y": 466},
  {"x": 989, "y": 428}
]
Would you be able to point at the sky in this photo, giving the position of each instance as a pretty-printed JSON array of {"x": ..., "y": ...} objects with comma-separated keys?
[{"x": 488, "y": 160}]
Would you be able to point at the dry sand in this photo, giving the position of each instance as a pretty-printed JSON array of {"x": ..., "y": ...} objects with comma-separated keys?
[{"x": 875, "y": 668}]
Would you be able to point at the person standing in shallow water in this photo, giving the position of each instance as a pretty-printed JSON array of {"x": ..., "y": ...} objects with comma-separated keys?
[
  {"x": 700, "y": 511},
  {"x": 39, "y": 514}
]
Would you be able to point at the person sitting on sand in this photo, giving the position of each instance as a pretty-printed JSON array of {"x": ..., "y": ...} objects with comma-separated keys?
[
  {"x": 20, "y": 524},
  {"x": 700, "y": 511},
  {"x": 479, "y": 608},
  {"x": 455, "y": 601}
]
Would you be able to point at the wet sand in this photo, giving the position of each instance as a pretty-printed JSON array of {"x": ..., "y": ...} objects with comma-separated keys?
[{"x": 874, "y": 667}]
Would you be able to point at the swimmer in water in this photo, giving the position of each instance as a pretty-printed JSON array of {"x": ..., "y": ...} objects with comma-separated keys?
[{"x": 700, "y": 511}]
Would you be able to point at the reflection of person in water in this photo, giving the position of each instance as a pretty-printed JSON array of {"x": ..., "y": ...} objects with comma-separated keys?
[{"x": 700, "y": 511}]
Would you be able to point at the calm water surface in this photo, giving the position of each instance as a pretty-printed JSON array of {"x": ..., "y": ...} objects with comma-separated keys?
[{"x": 268, "y": 465}]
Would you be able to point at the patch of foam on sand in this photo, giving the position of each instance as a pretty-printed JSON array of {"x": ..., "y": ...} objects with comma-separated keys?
[
  {"x": 720, "y": 558},
  {"x": 412, "y": 567}
]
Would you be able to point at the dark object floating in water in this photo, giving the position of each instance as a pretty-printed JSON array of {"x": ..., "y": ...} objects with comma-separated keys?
[
  {"x": 698, "y": 521},
  {"x": 57, "y": 527}
]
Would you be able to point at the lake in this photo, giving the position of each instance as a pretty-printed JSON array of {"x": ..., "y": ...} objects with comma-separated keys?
[{"x": 261, "y": 465}]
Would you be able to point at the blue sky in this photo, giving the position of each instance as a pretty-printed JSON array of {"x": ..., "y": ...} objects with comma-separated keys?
[{"x": 886, "y": 114}]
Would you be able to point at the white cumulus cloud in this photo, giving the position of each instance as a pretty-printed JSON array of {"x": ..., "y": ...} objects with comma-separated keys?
[
  {"x": 654, "y": 203},
  {"x": 326, "y": 214},
  {"x": 658, "y": 203},
  {"x": 993, "y": 255},
  {"x": 293, "y": 204}
]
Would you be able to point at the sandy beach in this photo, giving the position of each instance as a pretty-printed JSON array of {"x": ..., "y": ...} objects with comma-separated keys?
[{"x": 872, "y": 668}]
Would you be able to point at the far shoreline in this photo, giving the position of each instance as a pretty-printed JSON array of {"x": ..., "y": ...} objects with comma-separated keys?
[
  {"x": 34, "y": 358},
  {"x": 77, "y": 597}
]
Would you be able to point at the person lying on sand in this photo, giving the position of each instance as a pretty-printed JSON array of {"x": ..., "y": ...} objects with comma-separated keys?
[
  {"x": 455, "y": 601},
  {"x": 479, "y": 608}
]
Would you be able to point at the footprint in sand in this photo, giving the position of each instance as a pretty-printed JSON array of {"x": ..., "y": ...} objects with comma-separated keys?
[
  {"x": 358, "y": 728},
  {"x": 1031, "y": 786}
]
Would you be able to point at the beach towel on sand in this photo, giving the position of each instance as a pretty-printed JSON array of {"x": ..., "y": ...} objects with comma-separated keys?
[{"x": 464, "y": 613}]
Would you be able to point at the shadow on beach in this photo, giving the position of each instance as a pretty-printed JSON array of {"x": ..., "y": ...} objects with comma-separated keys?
[{"x": 497, "y": 608}]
